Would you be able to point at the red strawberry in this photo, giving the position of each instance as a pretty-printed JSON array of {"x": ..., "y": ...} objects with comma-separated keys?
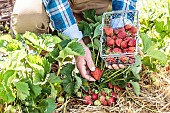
[
  {"x": 132, "y": 42},
  {"x": 131, "y": 60},
  {"x": 127, "y": 26},
  {"x": 90, "y": 92},
  {"x": 125, "y": 50},
  {"x": 97, "y": 73},
  {"x": 110, "y": 41},
  {"x": 103, "y": 100},
  {"x": 117, "y": 88},
  {"x": 167, "y": 67},
  {"x": 103, "y": 93},
  {"x": 114, "y": 37},
  {"x": 131, "y": 49},
  {"x": 124, "y": 44},
  {"x": 114, "y": 95},
  {"x": 133, "y": 30},
  {"x": 116, "y": 31},
  {"x": 111, "y": 60},
  {"x": 111, "y": 101},
  {"x": 118, "y": 41},
  {"x": 117, "y": 50},
  {"x": 128, "y": 38},
  {"x": 108, "y": 31},
  {"x": 110, "y": 85},
  {"x": 87, "y": 100},
  {"x": 94, "y": 96},
  {"x": 124, "y": 59},
  {"x": 122, "y": 34}
]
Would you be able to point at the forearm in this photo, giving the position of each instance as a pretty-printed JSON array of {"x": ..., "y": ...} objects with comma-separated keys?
[{"x": 62, "y": 18}]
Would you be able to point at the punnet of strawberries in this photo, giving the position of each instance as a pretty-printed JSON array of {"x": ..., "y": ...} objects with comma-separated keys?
[{"x": 121, "y": 41}]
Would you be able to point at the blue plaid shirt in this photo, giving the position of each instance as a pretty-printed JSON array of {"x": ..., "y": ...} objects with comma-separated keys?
[{"x": 62, "y": 17}]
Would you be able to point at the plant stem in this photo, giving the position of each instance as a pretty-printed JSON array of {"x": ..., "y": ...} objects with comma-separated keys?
[
  {"x": 60, "y": 64},
  {"x": 97, "y": 58},
  {"x": 109, "y": 78}
]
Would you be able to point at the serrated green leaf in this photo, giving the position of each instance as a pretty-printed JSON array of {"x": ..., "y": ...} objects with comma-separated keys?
[
  {"x": 54, "y": 79},
  {"x": 77, "y": 49},
  {"x": 63, "y": 37},
  {"x": 36, "y": 89},
  {"x": 97, "y": 31},
  {"x": 22, "y": 90},
  {"x": 38, "y": 69},
  {"x": 64, "y": 43},
  {"x": 54, "y": 53},
  {"x": 67, "y": 70},
  {"x": 136, "y": 87},
  {"x": 51, "y": 105},
  {"x": 85, "y": 28},
  {"x": 46, "y": 65},
  {"x": 7, "y": 74},
  {"x": 158, "y": 55},
  {"x": 89, "y": 15},
  {"x": 78, "y": 84}
]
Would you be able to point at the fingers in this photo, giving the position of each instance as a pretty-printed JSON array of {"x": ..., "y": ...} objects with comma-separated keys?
[
  {"x": 90, "y": 62},
  {"x": 84, "y": 71},
  {"x": 115, "y": 66}
]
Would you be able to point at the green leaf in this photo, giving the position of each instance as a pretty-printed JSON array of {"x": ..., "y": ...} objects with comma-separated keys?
[
  {"x": 64, "y": 43},
  {"x": 147, "y": 42},
  {"x": 54, "y": 79},
  {"x": 136, "y": 87},
  {"x": 89, "y": 15},
  {"x": 68, "y": 86},
  {"x": 63, "y": 37},
  {"x": 53, "y": 91},
  {"x": 36, "y": 89},
  {"x": 159, "y": 26},
  {"x": 22, "y": 90},
  {"x": 85, "y": 28},
  {"x": 78, "y": 84},
  {"x": 158, "y": 55},
  {"x": 77, "y": 48},
  {"x": 96, "y": 44},
  {"x": 38, "y": 69},
  {"x": 51, "y": 105},
  {"x": 147, "y": 62},
  {"x": 54, "y": 53},
  {"x": 67, "y": 70},
  {"x": 97, "y": 31}
]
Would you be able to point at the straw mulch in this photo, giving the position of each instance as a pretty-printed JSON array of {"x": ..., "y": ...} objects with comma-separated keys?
[{"x": 154, "y": 97}]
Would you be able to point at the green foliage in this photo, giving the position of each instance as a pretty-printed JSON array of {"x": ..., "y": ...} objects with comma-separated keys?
[{"x": 26, "y": 81}]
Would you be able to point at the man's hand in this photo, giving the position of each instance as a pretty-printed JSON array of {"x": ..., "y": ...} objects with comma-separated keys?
[{"x": 85, "y": 63}]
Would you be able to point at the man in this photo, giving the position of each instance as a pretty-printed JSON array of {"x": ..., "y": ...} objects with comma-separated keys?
[{"x": 35, "y": 16}]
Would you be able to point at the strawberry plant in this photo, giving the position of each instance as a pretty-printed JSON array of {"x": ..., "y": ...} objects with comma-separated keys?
[
  {"x": 27, "y": 83},
  {"x": 98, "y": 92}
]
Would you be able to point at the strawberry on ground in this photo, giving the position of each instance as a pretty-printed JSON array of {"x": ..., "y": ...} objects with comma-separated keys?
[
  {"x": 94, "y": 96},
  {"x": 103, "y": 100},
  {"x": 110, "y": 85},
  {"x": 87, "y": 100},
  {"x": 111, "y": 101},
  {"x": 97, "y": 73}
]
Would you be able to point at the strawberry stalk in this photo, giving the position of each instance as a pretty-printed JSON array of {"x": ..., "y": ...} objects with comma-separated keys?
[{"x": 112, "y": 76}]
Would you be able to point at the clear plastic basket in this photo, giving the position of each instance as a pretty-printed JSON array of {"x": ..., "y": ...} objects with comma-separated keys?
[{"x": 116, "y": 20}]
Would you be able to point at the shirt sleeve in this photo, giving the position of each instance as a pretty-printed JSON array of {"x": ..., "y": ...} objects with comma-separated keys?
[
  {"x": 62, "y": 18},
  {"x": 121, "y": 5}
]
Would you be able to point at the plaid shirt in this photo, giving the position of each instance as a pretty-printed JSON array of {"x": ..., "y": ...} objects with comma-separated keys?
[{"x": 62, "y": 17}]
